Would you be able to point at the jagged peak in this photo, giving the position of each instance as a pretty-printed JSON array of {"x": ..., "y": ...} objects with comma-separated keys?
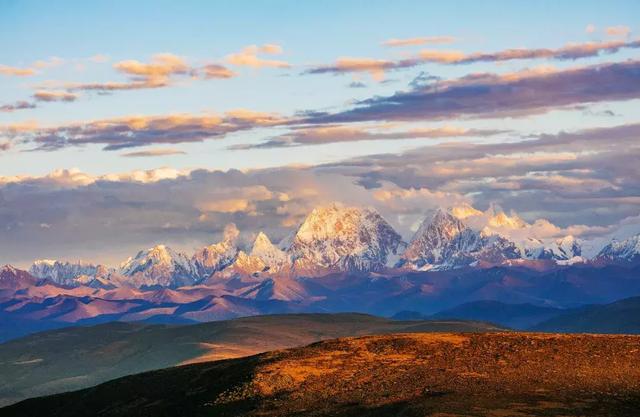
[
  {"x": 261, "y": 240},
  {"x": 9, "y": 268}
]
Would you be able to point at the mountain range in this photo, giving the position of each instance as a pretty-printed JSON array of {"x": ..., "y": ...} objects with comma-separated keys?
[
  {"x": 337, "y": 239},
  {"x": 338, "y": 259}
]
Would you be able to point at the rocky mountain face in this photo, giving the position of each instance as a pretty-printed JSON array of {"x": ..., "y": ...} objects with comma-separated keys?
[
  {"x": 216, "y": 257},
  {"x": 12, "y": 278},
  {"x": 159, "y": 265},
  {"x": 67, "y": 273},
  {"x": 444, "y": 242},
  {"x": 627, "y": 250},
  {"x": 344, "y": 239}
]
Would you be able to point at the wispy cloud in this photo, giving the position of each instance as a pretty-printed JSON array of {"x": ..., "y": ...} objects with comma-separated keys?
[
  {"x": 44, "y": 95},
  {"x": 33, "y": 69},
  {"x": 424, "y": 40},
  {"x": 18, "y": 105},
  {"x": 154, "y": 152},
  {"x": 377, "y": 67},
  {"x": 160, "y": 71},
  {"x": 16, "y": 71},
  {"x": 341, "y": 134},
  {"x": 248, "y": 57},
  {"x": 618, "y": 31},
  {"x": 134, "y": 131},
  {"x": 491, "y": 95}
]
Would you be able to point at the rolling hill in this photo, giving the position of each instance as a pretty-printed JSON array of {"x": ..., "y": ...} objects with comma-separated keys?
[
  {"x": 497, "y": 374},
  {"x": 79, "y": 357}
]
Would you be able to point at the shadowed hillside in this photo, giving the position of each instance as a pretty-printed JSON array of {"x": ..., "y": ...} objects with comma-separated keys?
[
  {"x": 622, "y": 316},
  {"x": 74, "y": 358},
  {"x": 500, "y": 374}
]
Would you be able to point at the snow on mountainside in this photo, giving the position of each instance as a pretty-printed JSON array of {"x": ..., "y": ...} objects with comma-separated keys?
[
  {"x": 562, "y": 249},
  {"x": 159, "y": 265},
  {"x": 349, "y": 239},
  {"x": 13, "y": 278},
  {"x": 264, "y": 259},
  {"x": 444, "y": 242},
  {"x": 627, "y": 250},
  {"x": 339, "y": 239},
  {"x": 67, "y": 273},
  {"x": 270, "y": 255},
  {"x": 218, "y": 256}
]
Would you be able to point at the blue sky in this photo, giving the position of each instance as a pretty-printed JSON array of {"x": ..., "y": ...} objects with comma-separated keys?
[{"x": 78, "y": 43}]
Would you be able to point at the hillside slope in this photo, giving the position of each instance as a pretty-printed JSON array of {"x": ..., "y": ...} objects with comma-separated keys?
[
  {"x": 500, "y": 374},
  {"x": 80, "y": 357}
]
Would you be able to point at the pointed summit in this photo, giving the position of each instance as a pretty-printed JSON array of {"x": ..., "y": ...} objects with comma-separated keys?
[
  {"x": 346, "y": 239},
  {"x": 14, "y": 278},
  {"x": 218, "y": 256},
  {"x": 627, "y": 250},
  {"x": 159, "y": 265},
  {"x": 268, "y": 253},
  {"x": 433, "y": 238}
]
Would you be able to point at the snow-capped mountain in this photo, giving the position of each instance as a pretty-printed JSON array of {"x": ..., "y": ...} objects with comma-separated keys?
[
  {"x": 264, "y": 259},
  {"x": 444, "y": 242},
  {"x": 67, "y": 273},
  {"x": 159, "y": 265},
  {"x": 218, "y": 256},
  {"x": 562, "y": 249},
  {"x": 14, "y": 278},
  {"x": 344, "y": 239},
  {"x": 627, "y": 250},
  {"x": 273, "y": 257}
]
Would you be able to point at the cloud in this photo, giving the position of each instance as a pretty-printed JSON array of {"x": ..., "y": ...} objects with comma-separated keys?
[
  {"x": 248, "y": 57},
  {"x": 43, "y": 95},
  {"x": 618, "y": 31},
  {"x": 216, "y": 71},
  {"x": 377, "y": 67},
  {"x": 356, "y": 84},
  {"x": 341, "y": 134},
  {"x": 31, "y": 70},
  {"x": 584, "y": 177},
  {"x": 161, "y": 71},
  {"x": 15, "y": 71},
  {"x": 18, "y": 105},
  {"x": 161, "y": 67},
  {"x": 491, "y": 95},
  {"x": 582, "y": 182},
  {"x": 154, "y": 152},
  {"x": 590, "y": 28},
  {"x": 433, "y": 40},
  {"x": 99, "y": 58},
  {"x": 134, "y": 131},
  {"x": 569, "y": 52}
]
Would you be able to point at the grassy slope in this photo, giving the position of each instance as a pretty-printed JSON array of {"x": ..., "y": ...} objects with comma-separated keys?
[
  {"x": 499, "y": 374},
  {"x": 75, "y": 358}
]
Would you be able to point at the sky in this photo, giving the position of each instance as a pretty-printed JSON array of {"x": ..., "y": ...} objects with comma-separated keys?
[{"x": 128, "y": 124}]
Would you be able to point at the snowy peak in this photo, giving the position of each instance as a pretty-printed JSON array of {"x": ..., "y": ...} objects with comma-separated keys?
[
  {"x": 443, "y": 241},
  {"x": 436, "y": 234},
  {"x": 269, "y": 254},
  {"x": 159, "y": 265},
  {"x": 344, "y": 239},
  {"x": 218, "y": 256},
  {"x": 627, "y": 250},
  {"x": 14, "y": 278},
  {"x": 66, "y": 273}
]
